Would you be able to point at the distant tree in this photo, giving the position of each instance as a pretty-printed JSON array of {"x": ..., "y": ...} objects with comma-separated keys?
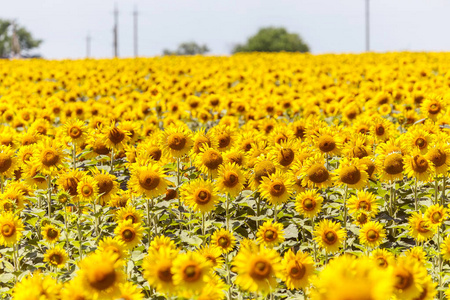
[
  {"x": 15, "y": 40},
  {"x": 188, "y": 48},
  {"x": 273, "y": 39}
]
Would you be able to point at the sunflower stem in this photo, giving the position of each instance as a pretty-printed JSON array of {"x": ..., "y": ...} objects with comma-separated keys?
[
  {"x": 203, "y": 224},
  {"x": 79, "y": 230},
  {"x": 74, "y": 156},
  {"x": 275, "y": 212},
  {"x": 149, "y": 221},
  {"x": 155, "y": 220},
  {"x": 95, "y": 218},
  {"x": 258, "y": 209},
  {"x": 416, "y": 204},
  {"x": 436, "y": 188},
  {"x": 1, "y": 183},
  {"x": 314, "y": 244},
  {"x": 345, "y": 215},
  {"x": 227, "y": 264},
  {"x": 49, "y": 196},
  {"x": 67, "y": 228},
  {"x": 178, "y": 188},
  {"x": 443, "y": 190},
  {"x": 439, "y": 262},
  {"x": 111, "y": 171},
  {"x": 227, "y": 211}
]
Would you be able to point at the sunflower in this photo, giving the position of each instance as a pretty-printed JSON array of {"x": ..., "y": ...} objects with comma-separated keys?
[
  {"x": 416, "y": 253},
  {"x": 410, "y": 278},
  {"x": 132, "y": 129},
  {"x": 76, "y": 130},
  {"x": 203, "y": 139},
  {"x": 51, "y": 233},
  {"x": 214, "y": 289},
  {"x": 213, "y": 254},
  {"x": 439, "y": 155},
  {"x": 308, "y": 203},
  {"x": 107, "y": 185},
  {"x": 285, "y": 152},
  {"x": 224, "y": 240},
  {"x": 176, "y": 141},
  {"x": 277, "y": 187},
  {"x": 383, "y": 258},
  {"x": 49, "y": 156},
  {"x": 8, "y": 162},
  {"x": 56, "y": 256},
  {"x": 351, "y": 172},
  {"x": 101, "y": 274},
  {"x": 327, "y": 141},
  {"x": 364, "y": 201},
  {"x": 208, "y": 161},
  {"x": 329, "y": 235},
  {"x": 358, "y": 146},
  {"x": 257, "y": 270},
  {"x": 419, "y": 167},
  {"x": 231, "y": 179},
  {"x": 236, "y": 156},
  {"x": 445, "y": 248},
  {"x": 71, "y": 290},
  {"x": 87, "y": 189},
  {"x": 129, "y": 213},
  {"x": 35, "y": 286},
  {"x": 436, "y": 214},
  {"x": 113, "y": 245},
  {"x": 419, "y": 228},
  {"x": 115, "y": 136},
  {"x": 314, "y": 172},
  {"x": 200, "y": 195},
  {"x": 225, "y": 137},
  {"x": 147, "y": 180},
  {"x": 372, "y": 234},
  {"x": 391, "y": 166},
  {"x": 160, "y": 242},
  {"x": 349, "y": 277},
  {"x": 129, "y": 233},
  {"x": 149, "y": 150},
  {"x": 24, "y": 155},
  {"x": 130, "y": 291},
  {"x": 433, "y": 107},
  {"x": 264, "y": 166},
  {"x": 298, "y": 269},
  {"x": 190, "y": 272},
  {"x": 418, "y": 139},
  {"x": 270, "y": 234},
  {"x": 16, "y": 197},
  {"x": 11, "y": 227},
  {"x": 69, "y": 181}
]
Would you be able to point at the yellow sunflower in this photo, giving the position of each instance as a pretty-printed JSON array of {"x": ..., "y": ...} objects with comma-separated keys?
[
  {"x": 76, "y": 130},
  {"x": 213, "y": 254},
  {"x": 298, "y": 269},
  {"x": 157, "y": 266},
  {"x": 176, "y": 141},
  {"x": 231, "y": 179},
  {"x": 277, "y": 187},
  {"x": 147, "y": 180},
  {"x": 351, "y": 172},
  {"x": 35, "y": 285},
  {"x": 130, "y": 291},
  {"x": 270, "y": 234},
  {"x": 439, "y": 156},
  {"x": 445, "y": 248},
  {"x": 329, "y": 235},
  {"x": 363, "y": 201},
  {"x": 191, "y": 272},
  {"x": 49, "y": 156},
  {"x": 383, "y": 258},
  {"x": 51, "y": 233},
  {"x": 433, "y": 107},
  {"x": 314, "y": 173},
  {"x": 208, "y": 161},
  {"x": 372, "y": 234},
  {"x": 129, "y": 233},
  {"x": 87, "y": 189},
  {"x": 416, "y": 253},
  {"x": 11, "y": 227},
  {"x": 390, "y": 166},
  {"x": 419, "y": 167},
  {"x": 101, "y": 274},
  {"x": 56, "y": 256},
  {"x": 161, "y": 241},
  {"x": 8, "y": 162},
  {"x": 200, "y": 195},
  {"x": 410, "y": 278},
  {"x": 115, "y": 136},
  {"x": 436, "y": 214},
  {"x": 308, "y": 203},
  {"x": 420, "y": 228},
  {"x": 107, "y": 185},
  {"x": 129, "y": 212},
  {"x": 113, "y": 245},
  {"x": 257, "y": 270},
  {"x": 224, "y": 240}
]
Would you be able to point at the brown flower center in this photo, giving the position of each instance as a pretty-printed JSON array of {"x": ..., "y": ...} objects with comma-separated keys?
[
  {"x": 105, "y": 184},
  {"x": 55, "y": 259},
  {"x": 128, "y": 234},
  {"x": 393, "y": 164},
  {"x": 264, "y": 168},
  {"x": 8, "y": 229},
  {"x": 74, "y": 132},
  {"x": 372, "y": 235},
  {"x": 176, "y": 141},
  {"x": 52, "y": 233},
  {"x": 434, "y": 108},
  {"x": 212, "y": 159},
  {"x": 50, "y": 157},
  {"x": 261, "y": 269},
  {"x": 436, "y": 217},
  {"x": 131, "y": 217},
  {"x": 318, "y": 173},
  {"x": 230, "y": 179},
  {"x": 192, "y": 273},
  {"x": 419, "y": 164},
  {"x": 422, "y": 227},
  {"x": 87, "y": 191},
  {"x": 309, "y": 204},
  {"x": 164, "y": 274},
  {"x": 379, "y": 129},
  {"x": 330, "y": 237},
  {"x": 404, "y": 278},
  {"x": 296, "y": 270},
  {"x": 286, "y": 157},
  {"x": 350, "y": 175},
  {"x": 5, "y": 162},
  {"x": 155, "y": 153},
  {"x": 326, "y": 143},
  {"x": 149, "y": 180},
  {"x": 201, "y": 141},
  {"x": 102, "y": 278},
  {"x": 421, "y": 143},
  {"x": 116, "y": 135},
  {"x": 224, "y": 140},
  {"x": 224, "y": 242},
  {"x": 202, "y": 196},
  {"x": 437, "y": 157},
  {"x": 277, "y": 189},
  {"x": 270, "y": 235}
]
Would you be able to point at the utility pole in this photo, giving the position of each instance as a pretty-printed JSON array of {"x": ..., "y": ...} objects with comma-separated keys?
[
  {"x": 135, "y": 31},
  {"x": 88, "y": 45},
  {"x": 367, "y": 25},
  {"x": 115, "y": 31},
  {"x": 15, "y": 45}
]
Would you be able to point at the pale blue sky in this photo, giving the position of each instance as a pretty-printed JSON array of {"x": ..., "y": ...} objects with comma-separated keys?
[{"x": 326, "y": 25}]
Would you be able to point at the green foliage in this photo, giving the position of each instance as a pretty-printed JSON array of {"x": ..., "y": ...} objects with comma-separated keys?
[
  {"x": 188, "y": 48},
  {"x": 26, "y": 40},
  {"x": 273, "y": 39}
]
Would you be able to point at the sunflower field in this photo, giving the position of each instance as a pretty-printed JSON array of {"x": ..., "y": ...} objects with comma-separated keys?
[{"x": 254, "y": 176}]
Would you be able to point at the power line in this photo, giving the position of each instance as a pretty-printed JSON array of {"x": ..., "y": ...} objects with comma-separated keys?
[{"x": 115, "y": 31}]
